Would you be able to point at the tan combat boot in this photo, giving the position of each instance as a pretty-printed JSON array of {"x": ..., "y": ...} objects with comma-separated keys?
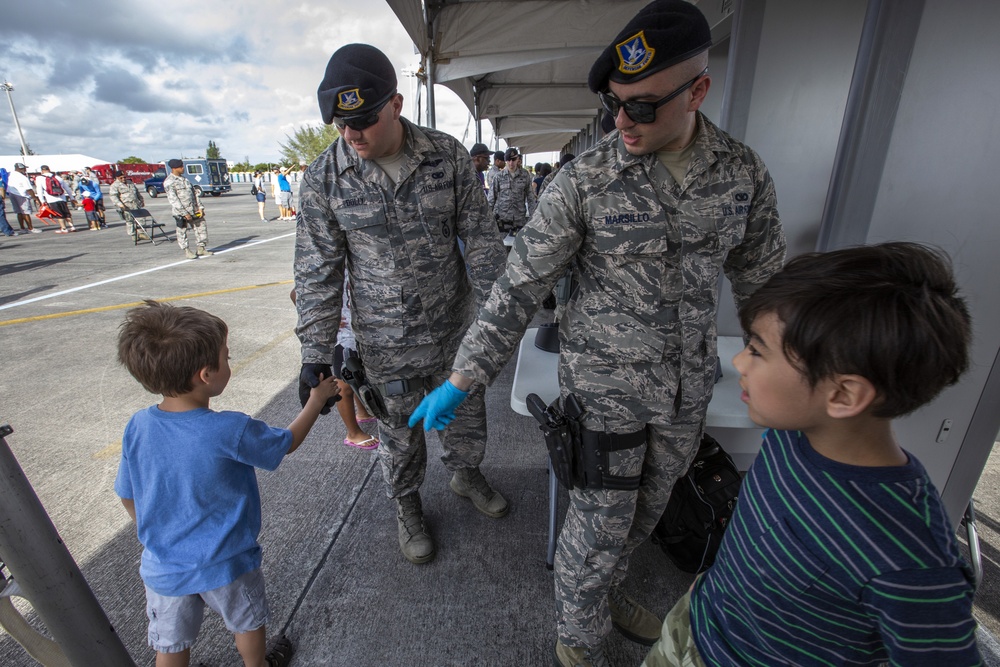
[
  {"x": 204, "y": 253},
  {"x": 470, "y": 483},
  {"x": 415, "y": 543},
  {"x": 189, "y": 254},
  {"x": 566, "y": 656},
  {"x": 634, "y": 621}
]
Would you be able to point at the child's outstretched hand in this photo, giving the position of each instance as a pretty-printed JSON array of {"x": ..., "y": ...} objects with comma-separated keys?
[{"x": 325, "y": 390}]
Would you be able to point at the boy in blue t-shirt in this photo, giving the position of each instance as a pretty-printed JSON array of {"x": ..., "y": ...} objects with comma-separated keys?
[
  {"x": 187, "y": 479},
  {"x": 840, "y": 551}
]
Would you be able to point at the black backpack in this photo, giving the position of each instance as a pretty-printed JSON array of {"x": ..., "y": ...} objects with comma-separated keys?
[{"x": 699, "y": 509}]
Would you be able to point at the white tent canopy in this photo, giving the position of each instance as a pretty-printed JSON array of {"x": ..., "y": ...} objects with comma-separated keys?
[
  {"x": 521, "y": 64},
  {"x": 57, "y": 163}
]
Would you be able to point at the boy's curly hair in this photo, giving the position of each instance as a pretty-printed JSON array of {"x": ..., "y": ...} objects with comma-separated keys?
[
  {"x": 889, "y": 312},
  {"x": 164, "y": 346}
]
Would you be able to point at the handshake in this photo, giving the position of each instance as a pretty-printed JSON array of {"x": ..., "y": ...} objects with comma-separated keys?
[{"x": 309, "y": 377}]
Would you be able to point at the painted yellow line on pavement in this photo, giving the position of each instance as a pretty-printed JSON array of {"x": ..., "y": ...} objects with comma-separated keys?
[
  {"x": 115, "y": 448},
  {"x": 102, "y": 309},
  {"x": 280, "y": 338}
]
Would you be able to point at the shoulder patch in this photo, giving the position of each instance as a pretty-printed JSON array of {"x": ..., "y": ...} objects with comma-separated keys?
[{"x": 634, "y": 54}]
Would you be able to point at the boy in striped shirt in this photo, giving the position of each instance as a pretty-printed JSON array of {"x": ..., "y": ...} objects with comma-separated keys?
[{"x": 840, "y": 551}]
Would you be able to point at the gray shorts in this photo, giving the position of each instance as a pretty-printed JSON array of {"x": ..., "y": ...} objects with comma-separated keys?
[
  {"x": 174, "y": 622},
  {"x": 284, "y": 198},
  {"x": 21, "y": 205}
]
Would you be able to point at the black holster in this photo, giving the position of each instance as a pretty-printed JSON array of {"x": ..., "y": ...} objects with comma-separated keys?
[
  {"x": 596, "y": 446},
  {"x": 353, "y": 374},
  {"x": 579, "y": 456}
]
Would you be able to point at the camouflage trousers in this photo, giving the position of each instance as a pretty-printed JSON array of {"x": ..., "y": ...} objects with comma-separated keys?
[
  {"x": 676, "y": 647},
  {"x": 604, "y": 526},
  {"x": 403, "y": 452},
  {"x": 200, "y": 232}
]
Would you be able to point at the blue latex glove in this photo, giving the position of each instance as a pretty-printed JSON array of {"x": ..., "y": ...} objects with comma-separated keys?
[
  {"x": 438, "y": 407},
  {"x": 309, "y": 378}
]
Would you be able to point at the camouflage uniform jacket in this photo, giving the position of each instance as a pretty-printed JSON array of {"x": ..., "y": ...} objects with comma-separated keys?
[
  {"x": 181, "y": 195},
  {"x": 411, "y": 295},
  {"x": 491, "y": 174},
  {"x": 511, "y": 196},
  {"x": 638, "y": 337},
  {"x": 125, "y": 195}
]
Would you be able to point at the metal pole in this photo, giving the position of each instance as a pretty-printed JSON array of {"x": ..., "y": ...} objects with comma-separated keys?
[
  {"x": 430, "y": 9},
  {"x": 477, "y": 112},
  {"x": 7, "y": 87},
  {"x": 429, "y": 69},
  {"x": 48, "y": 575}
]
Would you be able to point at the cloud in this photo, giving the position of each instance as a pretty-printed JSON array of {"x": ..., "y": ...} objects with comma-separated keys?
[
  {"x": 114, "y": 79},
  {"x": 132, "y": 92}
]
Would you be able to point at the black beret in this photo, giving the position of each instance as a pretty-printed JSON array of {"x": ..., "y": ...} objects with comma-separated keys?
[
  {"x": 479, "y": 149},
  {"x": 566, "y": 157},
  {"x": 498, "y": 156},
  {"x": 510, "y": 154},
  {"x": 662, "y": 34},
  {"x": 173, "y": 164},
  {"x": 358, "y": 79}
]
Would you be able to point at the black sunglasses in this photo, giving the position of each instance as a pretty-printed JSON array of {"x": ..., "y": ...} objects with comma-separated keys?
[
  {"x": 642, "y": 112},
  {"x": 364, "y": 121}
]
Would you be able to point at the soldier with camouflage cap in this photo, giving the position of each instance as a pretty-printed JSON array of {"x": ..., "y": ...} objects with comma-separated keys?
[
  {"x": 126, "y": 197},
  {"x": 185, "y": 204},
  {"x": 645, "y": 220},
  {"x": 390, "y": 200}
]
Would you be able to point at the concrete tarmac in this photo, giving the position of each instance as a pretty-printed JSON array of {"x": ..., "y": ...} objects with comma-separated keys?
[{"x": 336, "y": 581}]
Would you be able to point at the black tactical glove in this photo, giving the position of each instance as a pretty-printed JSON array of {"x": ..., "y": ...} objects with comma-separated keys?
[{"x": 309, "y": 378}]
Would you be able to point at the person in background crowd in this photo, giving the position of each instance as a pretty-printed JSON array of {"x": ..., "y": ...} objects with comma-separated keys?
[
  {"x": 563, "y": 161},
  {"x": 95, "y": 180},
  {"x": 185, "y": 204},
  {"x": 5, "y": 227},
  {"x": 90, "y": 211},
  {"x": 93, "y": 186},
  {"x": 542, "y": 169},
  {"x": 51, "y": 188},
  {"x": 22, "y": 197},
  {"x": 258, "y": 182},
  {"x": 125, "y": 196},
  {"x": 511, "y": 197},
  {"x": 284, "y": 195},
  {"x": 498, "y": 165},
  {"x": 480, "y": 155},
  {"x": 388, "y": 199},
  {"x": 638, "y": 339}
]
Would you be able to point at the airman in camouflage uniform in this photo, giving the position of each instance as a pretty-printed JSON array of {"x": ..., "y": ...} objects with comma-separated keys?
[
  {"x": 126, "y": 197},
  {"x": 638, "y": 337},
  {"x": 511, "y": 196},
  {"x": 390, "y": 199},
  {"x": 185, "y": 204}
]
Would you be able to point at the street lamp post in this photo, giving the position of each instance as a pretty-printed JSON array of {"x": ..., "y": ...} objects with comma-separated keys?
[{"x": 7, "y": 88}]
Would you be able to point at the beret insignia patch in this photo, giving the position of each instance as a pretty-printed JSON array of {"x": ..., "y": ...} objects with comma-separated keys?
[
  {"x": 634, "y": 54},
  {"x": 349, "y": 100}
]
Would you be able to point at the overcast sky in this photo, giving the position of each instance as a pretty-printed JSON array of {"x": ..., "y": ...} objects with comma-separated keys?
[{"x": 159, "y": 80}]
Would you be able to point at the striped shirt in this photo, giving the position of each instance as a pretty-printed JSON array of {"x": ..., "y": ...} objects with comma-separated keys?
[{"x": 832, "y": 564}]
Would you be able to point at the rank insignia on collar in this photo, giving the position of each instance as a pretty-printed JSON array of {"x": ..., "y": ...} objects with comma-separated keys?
[
  {"x": 634, "y": 54},
  {"x": 349, "y": 100}
]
